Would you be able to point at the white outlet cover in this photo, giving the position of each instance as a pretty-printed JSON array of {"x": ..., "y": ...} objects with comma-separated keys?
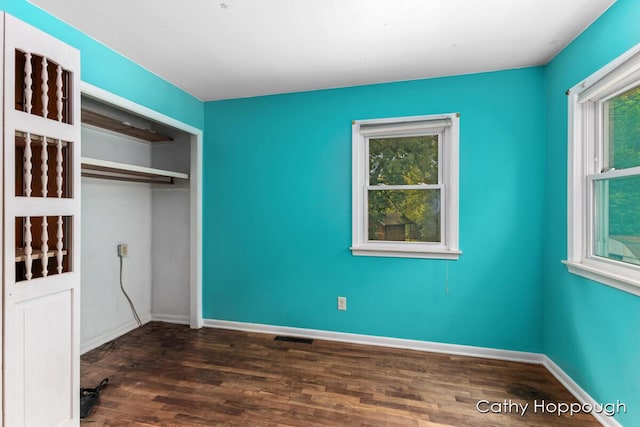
[{"x": 123, "y": 250}]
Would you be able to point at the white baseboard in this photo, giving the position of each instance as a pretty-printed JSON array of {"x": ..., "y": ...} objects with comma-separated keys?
[
  {"x": 170, "y": 318},
  {"x": 111, "y": 335},
  {"x": 577, "y": 391},
  {"x": 428, "y": 346}
]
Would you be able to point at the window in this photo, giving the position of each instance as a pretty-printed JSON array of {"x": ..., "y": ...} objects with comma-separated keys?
[
  {"x": 405, "y": 187},
  {"x": 604, "y": 175}
]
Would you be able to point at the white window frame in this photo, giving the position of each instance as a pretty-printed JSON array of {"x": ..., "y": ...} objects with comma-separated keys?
[
  {"x": 585, "y": 160},
  {"x": 447, "y": 126}
]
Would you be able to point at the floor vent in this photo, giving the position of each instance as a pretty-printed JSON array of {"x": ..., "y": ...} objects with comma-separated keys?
[{"x": 294, "y": 339}]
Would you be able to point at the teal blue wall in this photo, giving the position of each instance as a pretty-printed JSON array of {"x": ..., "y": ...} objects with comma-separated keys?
[
  {"x": 277, "y": 209},
  {"x": 277, "y": 203},
  {"x": 108, "y": 70},
  {"x": 591, "y": 331}
]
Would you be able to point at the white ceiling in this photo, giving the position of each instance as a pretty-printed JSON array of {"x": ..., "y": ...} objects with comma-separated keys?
[{"x": 220, "y": 49}]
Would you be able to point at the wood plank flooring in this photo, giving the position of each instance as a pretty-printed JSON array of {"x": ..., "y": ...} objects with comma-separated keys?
[{"x": 170, "y": 375}]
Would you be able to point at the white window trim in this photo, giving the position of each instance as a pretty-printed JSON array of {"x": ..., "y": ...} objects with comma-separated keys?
[
  {"x": 449, "y": 160},
  {"x": 582, "y": 152}
]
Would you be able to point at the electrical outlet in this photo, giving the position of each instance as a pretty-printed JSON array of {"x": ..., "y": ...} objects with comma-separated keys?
[
  {"x": 123, "y": 250},
  {"x": 342, "y": 303}
]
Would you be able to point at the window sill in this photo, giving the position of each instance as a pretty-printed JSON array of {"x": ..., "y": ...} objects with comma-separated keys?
[
  {"x": 605, "y": 276},
  {"x": 405, "y": 252}
]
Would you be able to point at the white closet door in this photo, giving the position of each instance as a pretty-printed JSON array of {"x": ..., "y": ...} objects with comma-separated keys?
[{"x": 41, "y": 262}]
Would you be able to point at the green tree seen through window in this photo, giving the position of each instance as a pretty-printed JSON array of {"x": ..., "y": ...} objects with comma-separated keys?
[
  {"x": 399, "y": 214},
  {"x": 624, "y": 152}
]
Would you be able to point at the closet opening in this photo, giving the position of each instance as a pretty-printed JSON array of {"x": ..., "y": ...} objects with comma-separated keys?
[{"x": 141, "y": 218}]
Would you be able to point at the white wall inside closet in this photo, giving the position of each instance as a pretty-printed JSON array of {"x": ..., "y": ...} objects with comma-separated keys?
[
  {"x": 153, "y": 219},
  {"x": 170, "y": 249}
]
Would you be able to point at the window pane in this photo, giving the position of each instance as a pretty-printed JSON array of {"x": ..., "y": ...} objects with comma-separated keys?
[
  {"x": 403, "y": 161},
  {"x": 623, "y": 138},
  {"x": 404, "y": 215},
  {"x": 617, "y": 225}
]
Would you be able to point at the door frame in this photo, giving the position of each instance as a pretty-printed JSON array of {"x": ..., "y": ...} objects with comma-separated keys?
[{"x": 195, "y": 188}]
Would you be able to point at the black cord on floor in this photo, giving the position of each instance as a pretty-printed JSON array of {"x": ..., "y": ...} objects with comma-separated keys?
[{"x": 133, "y": 308}]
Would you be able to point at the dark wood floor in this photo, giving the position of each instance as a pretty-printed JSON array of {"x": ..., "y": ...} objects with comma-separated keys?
[{"x": 170, "y": 375}]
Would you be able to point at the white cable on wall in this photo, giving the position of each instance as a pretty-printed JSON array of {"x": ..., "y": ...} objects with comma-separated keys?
[{"x": 133, "y": 308}]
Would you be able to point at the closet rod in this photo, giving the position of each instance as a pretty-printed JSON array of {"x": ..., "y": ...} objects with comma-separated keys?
[
  {"x": 105, "y": 169},
  {"x": 160, "y": 180}
]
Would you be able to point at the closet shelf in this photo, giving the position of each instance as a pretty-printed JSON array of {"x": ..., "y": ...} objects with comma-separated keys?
[
  {"x": 96, "y": 168},
  {"x": 101, "y": 121}
]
